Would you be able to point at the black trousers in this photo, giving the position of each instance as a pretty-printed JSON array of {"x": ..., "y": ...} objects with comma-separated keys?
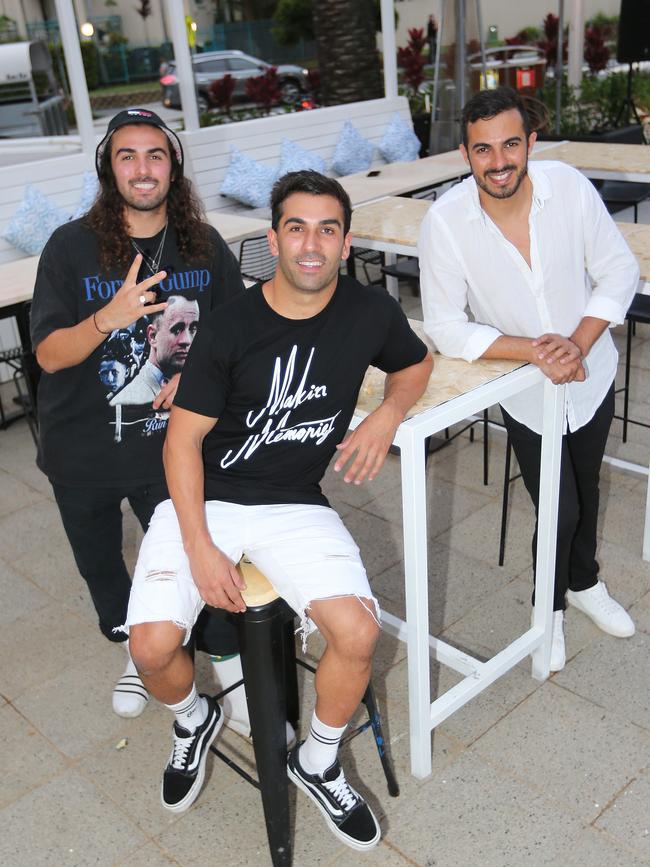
[
  {"x": 92, "y": 519},
  {"x": 576, "y": 567}
]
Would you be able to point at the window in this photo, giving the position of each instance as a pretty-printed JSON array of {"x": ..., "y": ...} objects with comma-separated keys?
[
  {"x": 209, "y": 67},
  {"x": 237, "y": 64}
]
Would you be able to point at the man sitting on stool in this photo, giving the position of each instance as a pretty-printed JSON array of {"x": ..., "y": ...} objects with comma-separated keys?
[{"x": 265, "y": 400}]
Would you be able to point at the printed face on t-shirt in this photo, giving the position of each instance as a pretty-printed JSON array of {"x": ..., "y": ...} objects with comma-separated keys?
[
  {"x": 310, "y": 242},
  {"x": 141, "y": 165},
  {"x": 171, "y": 334},
  {"x": 112, "y": 374}
]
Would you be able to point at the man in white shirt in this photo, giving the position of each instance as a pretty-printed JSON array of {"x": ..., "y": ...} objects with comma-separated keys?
[{"x": 533, "y": 253}]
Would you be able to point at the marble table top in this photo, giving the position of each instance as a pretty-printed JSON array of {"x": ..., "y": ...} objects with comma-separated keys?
[
  {"x": 600, "y": 156},
  {"x": 392, "y": 220},
  {"x": 450, "y": 378}
]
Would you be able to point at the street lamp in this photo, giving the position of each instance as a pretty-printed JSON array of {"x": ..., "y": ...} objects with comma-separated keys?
[{"x": 87, "y": 30}]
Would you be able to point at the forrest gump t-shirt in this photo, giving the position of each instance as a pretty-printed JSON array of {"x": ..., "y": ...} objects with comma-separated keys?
[
  {"x": 284, "y": 390},
  {"x": 97, "y": 423}
]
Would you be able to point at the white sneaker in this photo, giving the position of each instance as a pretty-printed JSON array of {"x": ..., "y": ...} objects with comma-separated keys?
[
  {"x": 606, "y": 612},
  {"x": 234, "y": 704},
  {"x": 129, "y": 694}
]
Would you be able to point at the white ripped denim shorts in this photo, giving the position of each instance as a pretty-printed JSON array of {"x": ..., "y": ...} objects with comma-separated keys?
[{"x": 304, "y": 551}]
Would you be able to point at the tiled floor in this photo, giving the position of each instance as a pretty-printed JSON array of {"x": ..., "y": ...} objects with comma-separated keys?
[{"x": 527, "y": 774}]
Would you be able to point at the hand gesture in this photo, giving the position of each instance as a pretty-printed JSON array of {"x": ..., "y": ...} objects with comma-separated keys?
[
  {"x": 368, "y": 445},
  {"x": 217, "y": 579},
  {"x": 127, "y": 305}
]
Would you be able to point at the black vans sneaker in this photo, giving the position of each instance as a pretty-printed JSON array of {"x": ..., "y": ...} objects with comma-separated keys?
[
  {"x": 346, "y": 813},
  {"x": 184, "y": 774}
]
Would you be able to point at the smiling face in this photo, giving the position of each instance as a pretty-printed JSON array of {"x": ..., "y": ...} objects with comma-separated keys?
[
  {"x": 141, "y": 164},
  {"x": 171, "y": 334},
  {"x": 310, "y": 242},
  {"x": 497, "y": 152}
]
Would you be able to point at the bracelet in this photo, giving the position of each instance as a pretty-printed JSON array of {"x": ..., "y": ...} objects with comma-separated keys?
[{"x": 97, "y": 326}]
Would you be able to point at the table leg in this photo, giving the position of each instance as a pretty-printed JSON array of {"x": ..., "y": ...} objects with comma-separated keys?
[
  {"x": 646, "y": 526},
  {"x": 392, "y": 283},
  {"x": 549, "y": 487},
  {"x": 414, "y": 510}
]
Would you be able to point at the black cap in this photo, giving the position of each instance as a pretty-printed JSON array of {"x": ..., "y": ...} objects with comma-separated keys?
[{"x": 138, "y": 115}]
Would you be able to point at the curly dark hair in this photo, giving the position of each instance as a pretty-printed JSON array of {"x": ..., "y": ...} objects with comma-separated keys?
[{"x": 184, "y": 210}]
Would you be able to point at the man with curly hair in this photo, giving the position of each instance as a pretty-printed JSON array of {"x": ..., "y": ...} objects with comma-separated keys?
[{"x": 143, "y": 250}]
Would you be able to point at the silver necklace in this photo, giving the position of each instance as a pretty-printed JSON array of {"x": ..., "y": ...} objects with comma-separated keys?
[{"x": 153, "y": 262}]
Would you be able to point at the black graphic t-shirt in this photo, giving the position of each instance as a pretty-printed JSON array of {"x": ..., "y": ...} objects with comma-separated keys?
[
  {"x": 97, "y": 423},
  {"x": 284, "y": 390}
]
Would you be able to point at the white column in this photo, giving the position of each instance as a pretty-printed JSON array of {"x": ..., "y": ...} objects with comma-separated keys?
[
  {"x": 19, "y": 15},
  {"x": 183, "y": 59},
  {"x": 576, "y": 42},
  {"x": 76, "y": 74},
  {"x": 389, "y": 47}
]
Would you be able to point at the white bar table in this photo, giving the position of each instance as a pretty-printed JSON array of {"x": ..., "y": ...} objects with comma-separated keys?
[{"x": 458, "y": 390}]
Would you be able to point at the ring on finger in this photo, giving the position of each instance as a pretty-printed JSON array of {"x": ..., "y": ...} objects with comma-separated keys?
[{"x": 142, "y": 299}]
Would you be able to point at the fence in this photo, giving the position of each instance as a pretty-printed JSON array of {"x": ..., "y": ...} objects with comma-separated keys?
[{"x": 256, "y": 38}]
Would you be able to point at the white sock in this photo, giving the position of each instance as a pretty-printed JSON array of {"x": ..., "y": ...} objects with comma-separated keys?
[
  {"x": 191, "y": 711},
  {"x": 227, "y": 670},
  {"x": 320, "y": 747}
]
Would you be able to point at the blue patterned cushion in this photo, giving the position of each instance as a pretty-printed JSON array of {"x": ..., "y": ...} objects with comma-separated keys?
[
  {"x": 353, "y": 152},
  {"x": 34, "y": 221},
  {"x": 294, "y": 158},
  {"x": 89, "y": 190},
  {"x": 399, "y": 141},
  {"x": 248, "y": 181}
]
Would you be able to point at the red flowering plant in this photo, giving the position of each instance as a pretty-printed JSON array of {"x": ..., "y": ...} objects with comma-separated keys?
[
  {"x": 264, "y": 90},
  {"x": 221, "y": 92},
  {"x": 411, "y": 60}
]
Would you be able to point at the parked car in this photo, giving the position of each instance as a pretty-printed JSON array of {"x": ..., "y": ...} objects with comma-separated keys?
[{"x": 213, "y": 65}]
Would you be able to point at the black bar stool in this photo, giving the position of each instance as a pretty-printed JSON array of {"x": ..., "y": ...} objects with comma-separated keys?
[
  {"x": 638, "y": 311},
  {"x": 268, "y": 657}
]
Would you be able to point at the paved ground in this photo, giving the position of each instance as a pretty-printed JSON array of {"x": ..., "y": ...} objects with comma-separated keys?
[{"x": 527, "y": 774}]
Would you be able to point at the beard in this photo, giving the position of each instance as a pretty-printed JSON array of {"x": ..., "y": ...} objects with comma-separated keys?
[{"x": 505, "y": 192}]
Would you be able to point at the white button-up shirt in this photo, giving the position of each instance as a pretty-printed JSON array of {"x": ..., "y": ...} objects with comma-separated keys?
[{"x": 580, "y": 266}]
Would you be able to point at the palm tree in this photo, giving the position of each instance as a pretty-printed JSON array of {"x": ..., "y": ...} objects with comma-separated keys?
[{"x": 347, "y": 53}]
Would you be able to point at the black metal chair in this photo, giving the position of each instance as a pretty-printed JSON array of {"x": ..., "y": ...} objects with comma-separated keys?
[
  {"x": 25, "y": 374},
  {"x": 638, "y": 312},
  {"x": 267, "y": 648},
  {"x": 619, "y": 195},
  {"x": 255, "y": 259}
]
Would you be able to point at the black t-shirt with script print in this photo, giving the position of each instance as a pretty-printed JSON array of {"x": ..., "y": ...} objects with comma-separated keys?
[{"x": 284, "y": 390}]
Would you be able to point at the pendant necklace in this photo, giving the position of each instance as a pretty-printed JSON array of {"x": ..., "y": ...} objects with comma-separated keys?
[{"x": 153, "y": 262}]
